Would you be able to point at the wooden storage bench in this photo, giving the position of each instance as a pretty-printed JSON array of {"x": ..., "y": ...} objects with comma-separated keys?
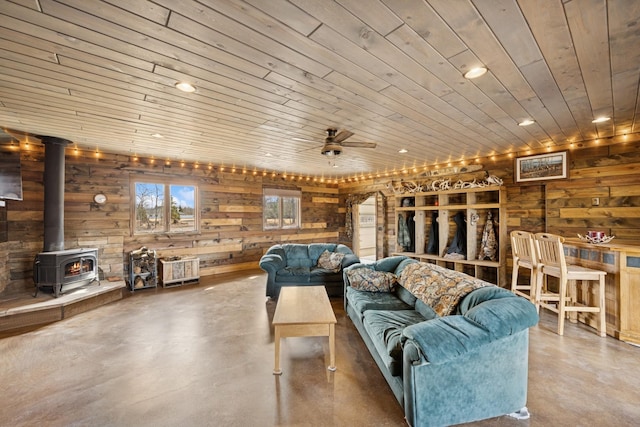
[{"x": 177, "y": 272}]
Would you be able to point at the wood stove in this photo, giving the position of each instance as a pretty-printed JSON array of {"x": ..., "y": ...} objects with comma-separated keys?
[
  {"x": 65, "y": 270},
  {"x": 56, "y": 267}
]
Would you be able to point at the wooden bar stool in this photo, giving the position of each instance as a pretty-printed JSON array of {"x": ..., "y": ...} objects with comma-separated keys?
[
  {"x": 552, "y": 262},
  {"x": 524, "y": 255}
]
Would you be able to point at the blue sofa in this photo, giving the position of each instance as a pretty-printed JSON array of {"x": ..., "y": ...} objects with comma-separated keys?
[
  {"x": 295, "y": 264},
  {"x": 469, "y": 365}
]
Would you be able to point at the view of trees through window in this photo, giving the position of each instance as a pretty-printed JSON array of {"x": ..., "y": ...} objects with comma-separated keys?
[
  {"x": 281, "y": 208},
  {"x": 154, "y": 215}
]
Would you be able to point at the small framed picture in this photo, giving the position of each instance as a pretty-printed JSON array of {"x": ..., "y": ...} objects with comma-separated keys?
[{"x": 541, "y": 167}]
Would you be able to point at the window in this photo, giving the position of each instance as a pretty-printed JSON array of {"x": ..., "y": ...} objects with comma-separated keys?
[
  {"x": 281, "y": 208},
  {"x": 165, "y": 208}
]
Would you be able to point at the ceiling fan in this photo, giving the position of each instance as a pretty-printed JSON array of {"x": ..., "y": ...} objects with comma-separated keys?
[{"x": 334, "y": 142}]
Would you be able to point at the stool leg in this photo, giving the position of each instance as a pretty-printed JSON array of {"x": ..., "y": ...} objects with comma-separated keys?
[
  {"x": 536, "y": 301},
  {"x": 573, "y": 298},
  {"x": 603, "y": 312},
  {"x": 562, "y": 302},
  {"x": 533, "y": 284},
  {"x": 514, "y": 276}
]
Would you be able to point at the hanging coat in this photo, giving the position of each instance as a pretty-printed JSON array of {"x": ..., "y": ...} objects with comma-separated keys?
[
  {"x": 404, "y": 239},
  {"x": 489, "y": 244},
  {"x": 459, "y": 243},
  {"x": 433, "y": 242},
  {"x": 411, "y": 225}
]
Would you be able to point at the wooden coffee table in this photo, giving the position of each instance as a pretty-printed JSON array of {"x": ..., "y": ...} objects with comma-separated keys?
[{"x": 304, "y": 311}]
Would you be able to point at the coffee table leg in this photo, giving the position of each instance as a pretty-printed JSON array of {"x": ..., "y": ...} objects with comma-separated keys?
[
  {"x": 276, "y": 369},
  {"x": 332, "y": 347}
]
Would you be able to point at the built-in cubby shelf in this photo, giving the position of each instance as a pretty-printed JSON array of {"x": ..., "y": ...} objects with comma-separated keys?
[{"x": 476, "y": 204}]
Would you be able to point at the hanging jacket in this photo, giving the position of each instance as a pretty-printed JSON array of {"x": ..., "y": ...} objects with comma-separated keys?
[{"x": 404, "y": 239}]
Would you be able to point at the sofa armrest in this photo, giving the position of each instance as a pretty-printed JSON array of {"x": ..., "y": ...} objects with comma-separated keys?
[
  {"x": 504, "y": 316},
  {"x": 272, "y": 263},
  {"x": 349, "y": 259},
  {"x": 448, "y": 337},
  {"x": 445, "y": 338}
]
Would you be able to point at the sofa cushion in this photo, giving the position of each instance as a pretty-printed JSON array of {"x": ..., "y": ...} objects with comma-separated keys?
[
  {"x": 320, "y": 275},
  {"x": 297, "y": 255},
  {"x": 366, "y": 279},
  {"x": 314, "y": 250},
  {"x": 294, "y": 276},
  {"x": 405, "y": 296},
  {"x": 331, "y": 261},
  {"x": 438, "y": 287},
  {"x": 361, "y": 301},
  {"x": 401, "y": 266},
  {"x": 293, "y": 271},
  {"x": 385, "y": 330},
  {"x": 388, "y": 263},
  {"x": 424, "y": 310}
]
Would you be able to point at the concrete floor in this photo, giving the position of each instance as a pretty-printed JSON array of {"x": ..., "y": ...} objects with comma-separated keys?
[{"x": 202, "y": 355}]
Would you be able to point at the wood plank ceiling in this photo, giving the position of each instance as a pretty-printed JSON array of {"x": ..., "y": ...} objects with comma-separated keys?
[{"x": 102, "y": 74}]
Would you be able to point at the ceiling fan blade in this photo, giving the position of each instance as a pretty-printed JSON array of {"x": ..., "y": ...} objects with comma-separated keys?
[
  {"x": 309, "y": 148},
  {"x": 344, "y": 134},
  {"x": 358, "y": 144}
]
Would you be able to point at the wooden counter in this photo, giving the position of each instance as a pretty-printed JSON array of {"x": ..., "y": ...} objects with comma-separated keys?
[{"x": 621, "y": 260}]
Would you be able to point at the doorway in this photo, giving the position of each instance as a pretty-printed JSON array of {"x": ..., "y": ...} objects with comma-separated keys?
[{"x": 364, "y": 236}]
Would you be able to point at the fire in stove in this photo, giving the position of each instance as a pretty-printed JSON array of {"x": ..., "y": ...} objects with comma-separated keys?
[{"x": 78, "y": 267}]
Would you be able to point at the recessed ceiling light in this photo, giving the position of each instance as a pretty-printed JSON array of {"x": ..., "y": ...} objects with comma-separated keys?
[
  {"x": 157, "y": 135},
  {"x": 475, "y": 72},
  {"x": 268, "y": 154},
  {"x": 600, "y": 119},
  {"x": 526, "y": 122},
  {"x": 403, "y": 150},
  {"x": 185, "y": 87}
]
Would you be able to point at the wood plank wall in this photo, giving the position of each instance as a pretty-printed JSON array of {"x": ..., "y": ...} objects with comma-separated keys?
[
  {"x": 231, "y": 235},
  {"x": 609, "y": 172}
]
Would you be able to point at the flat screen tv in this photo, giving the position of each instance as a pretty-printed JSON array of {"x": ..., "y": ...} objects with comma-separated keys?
[{"x": 10, "y": 175}]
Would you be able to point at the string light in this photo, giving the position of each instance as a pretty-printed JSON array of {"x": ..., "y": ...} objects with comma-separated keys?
[{"x": 547, "y": 146}]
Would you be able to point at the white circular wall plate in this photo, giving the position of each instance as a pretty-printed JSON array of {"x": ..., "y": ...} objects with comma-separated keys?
[{"x": 100, "y": 199}]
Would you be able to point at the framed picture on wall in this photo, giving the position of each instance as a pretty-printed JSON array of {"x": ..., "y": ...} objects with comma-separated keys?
[{"x": 541, "y": 167}]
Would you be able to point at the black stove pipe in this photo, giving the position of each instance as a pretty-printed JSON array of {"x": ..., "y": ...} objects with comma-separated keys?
[{"x": 54, "y": 192}]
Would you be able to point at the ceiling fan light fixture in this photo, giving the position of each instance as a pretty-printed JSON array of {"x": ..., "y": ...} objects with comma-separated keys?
[
  {"x": 475, "y": 72},
  {"x": 331, "y": 150}
]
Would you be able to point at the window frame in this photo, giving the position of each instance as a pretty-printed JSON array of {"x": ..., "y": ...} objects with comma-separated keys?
[
  {"x": 281, "y": 193},
  {"x": 166, "y": 183}
]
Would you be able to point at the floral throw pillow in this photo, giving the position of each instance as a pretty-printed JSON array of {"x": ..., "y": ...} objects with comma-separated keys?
[
  {"x": 366, "y": 279},
  {"x": 331, "y": 261}
]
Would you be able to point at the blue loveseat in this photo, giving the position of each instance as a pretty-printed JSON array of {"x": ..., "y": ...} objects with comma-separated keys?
[
  {"x": 295, "y": 264},
  {"x": 466, "y": 366}
]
